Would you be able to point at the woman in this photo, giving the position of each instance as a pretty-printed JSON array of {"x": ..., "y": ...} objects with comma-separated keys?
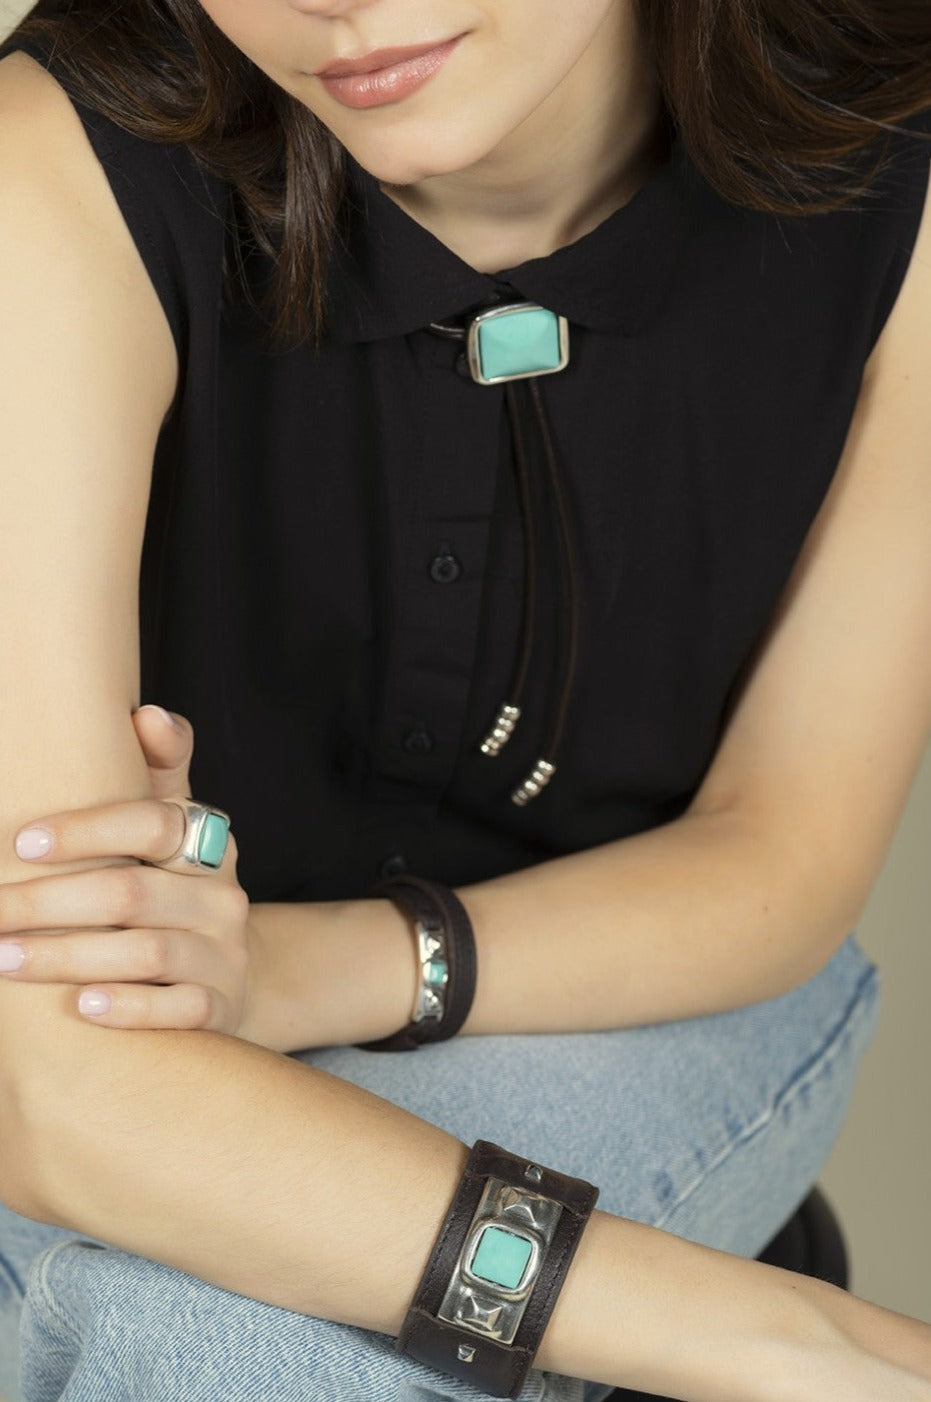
[{"x": 693, "y": 559}]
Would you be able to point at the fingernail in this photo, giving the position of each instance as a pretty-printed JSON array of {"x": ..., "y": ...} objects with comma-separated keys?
[
  {"x": 12, "y": 957},
  {"x": 165, "y": 716},
  {"x": 94, "y": 1004},
  {"x": 33, "y": 842}
]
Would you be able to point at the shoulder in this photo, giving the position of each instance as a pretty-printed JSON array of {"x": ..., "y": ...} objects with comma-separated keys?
[
  {"x": 68, "y": 255},
  {"x": 162, "y": 199},
  {"x": 43, "y": 147},
  {"x": 30, "y": 96}
]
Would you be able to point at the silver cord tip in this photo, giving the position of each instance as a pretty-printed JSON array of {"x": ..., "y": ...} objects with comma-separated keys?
[
  {"x": 534, "y": 784},
  {"x": 501, "y": 731}
]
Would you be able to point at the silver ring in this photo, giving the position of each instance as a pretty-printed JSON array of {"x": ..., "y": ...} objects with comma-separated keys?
[{"x": 206, "y": 835}]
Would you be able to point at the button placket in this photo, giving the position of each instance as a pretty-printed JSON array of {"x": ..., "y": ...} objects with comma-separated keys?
[{"x": 439, "y": 548}]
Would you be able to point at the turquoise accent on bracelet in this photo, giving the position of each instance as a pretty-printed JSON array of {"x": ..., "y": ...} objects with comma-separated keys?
[
  {"x": 501, "y": 1258},
  {"x": 516, "y": 342},
  {"x": 213, "y": 841},
  {"x": 436, "y": 973}
]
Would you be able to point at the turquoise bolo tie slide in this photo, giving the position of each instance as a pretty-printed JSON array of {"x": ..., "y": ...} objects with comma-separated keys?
[{"x": 516, "y": 343}]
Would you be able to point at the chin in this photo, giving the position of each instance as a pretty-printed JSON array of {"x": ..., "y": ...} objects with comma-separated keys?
[
  {"x": 401, "y": 171},
  {"x": 402, "y": 162}
]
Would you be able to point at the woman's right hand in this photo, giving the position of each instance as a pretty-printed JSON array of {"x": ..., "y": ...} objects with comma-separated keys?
[
  {"x": 151, "y": 941},
  {"x": 156, "y": 943}
]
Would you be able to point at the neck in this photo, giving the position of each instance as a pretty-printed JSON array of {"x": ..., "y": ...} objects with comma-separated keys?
[{"x": 560, "y": 174}]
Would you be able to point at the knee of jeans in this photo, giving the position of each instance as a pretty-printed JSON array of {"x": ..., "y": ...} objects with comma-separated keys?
[{"x": 740, "y": 1200}]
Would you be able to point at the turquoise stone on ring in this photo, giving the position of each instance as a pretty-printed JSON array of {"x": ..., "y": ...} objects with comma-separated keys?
[
  {"x": 516, "y": 342},
  {"x": 213, "y": 839}
]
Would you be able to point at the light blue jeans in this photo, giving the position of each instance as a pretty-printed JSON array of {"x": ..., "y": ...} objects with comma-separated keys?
[{"x": 713, "y": 1129}]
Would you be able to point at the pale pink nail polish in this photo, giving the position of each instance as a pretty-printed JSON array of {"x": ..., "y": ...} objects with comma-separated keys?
[
  {"x": 93, "y": 1003},
  {"x": 33, "y": 842},
  {"x": 12, "y": 957},
  {"x": 160, "y": 711}
]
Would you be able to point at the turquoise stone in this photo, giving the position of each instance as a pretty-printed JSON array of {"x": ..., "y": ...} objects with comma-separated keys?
[
  {"x": 501, "y": 1258},
  {"x": 437, "y": 973},
  {"x": 519, "y": 343},
  {"x": 214, "y": 836}
]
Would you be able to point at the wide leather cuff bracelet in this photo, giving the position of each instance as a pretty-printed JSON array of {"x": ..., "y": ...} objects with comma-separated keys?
[
  {"x": 446, "y": 959},
  {"x": 496, "y": 1270}
]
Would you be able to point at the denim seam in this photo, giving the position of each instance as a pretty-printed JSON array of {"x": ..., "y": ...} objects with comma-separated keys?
[
  {"x": 39, "y": 1281},
  {"x": 805, "y": 1075}
]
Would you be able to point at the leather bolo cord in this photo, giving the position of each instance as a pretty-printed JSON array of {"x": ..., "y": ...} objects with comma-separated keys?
[
  {"x": 528, "y": 420},
  {"x": 517, "y": 395},
  {"x": 569, "y": 580}
]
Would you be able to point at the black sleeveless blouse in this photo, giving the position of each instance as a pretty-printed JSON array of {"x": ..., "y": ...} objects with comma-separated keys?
[{"x": 333, "y": 566}]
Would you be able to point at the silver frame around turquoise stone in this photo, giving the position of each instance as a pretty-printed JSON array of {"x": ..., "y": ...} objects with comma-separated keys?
[
  {"x": 430, "y": 997},
  {"x": 484, "y": 1308},
  {"x": 473, "y": 331},
  {"x": 195, "y": 820}
]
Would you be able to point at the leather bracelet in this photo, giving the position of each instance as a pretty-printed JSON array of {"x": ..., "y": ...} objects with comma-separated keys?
[
  {"x": 496, "y": 1270},
  {"x": 446, "y": 948}
]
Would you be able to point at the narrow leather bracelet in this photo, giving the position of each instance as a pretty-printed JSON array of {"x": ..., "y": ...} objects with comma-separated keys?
[
  {"x": 446, "y": 944},
  {"x": 496, "y": 1270}
]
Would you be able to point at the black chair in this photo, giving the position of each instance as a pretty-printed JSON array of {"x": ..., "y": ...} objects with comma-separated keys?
[{"x": 810, "y": 1243}]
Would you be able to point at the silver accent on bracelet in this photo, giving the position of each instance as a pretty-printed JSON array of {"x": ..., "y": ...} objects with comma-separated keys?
[
  {"x": 433, "y": 958},
  {"x": 490, "y": 1299}
]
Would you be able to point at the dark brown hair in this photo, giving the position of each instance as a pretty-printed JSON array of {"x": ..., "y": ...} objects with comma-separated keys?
[{"x": 783, "y": 105}]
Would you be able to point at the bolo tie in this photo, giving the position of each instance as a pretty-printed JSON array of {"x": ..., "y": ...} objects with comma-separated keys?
[{"x": 514, "y": 346}]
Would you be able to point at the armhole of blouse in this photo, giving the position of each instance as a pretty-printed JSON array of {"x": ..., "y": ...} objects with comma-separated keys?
[{"x": 904, "y": 186}]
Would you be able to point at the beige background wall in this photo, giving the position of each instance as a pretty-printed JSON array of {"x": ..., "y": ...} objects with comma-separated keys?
[
  {"x": 879, "y": 1176},
  {"x": 880, "y": 1173}
]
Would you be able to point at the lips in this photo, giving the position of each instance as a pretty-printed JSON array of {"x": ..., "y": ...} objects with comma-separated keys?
[
  {"x": 384, "y": 76},
  {"x": 378, "y": 59}
]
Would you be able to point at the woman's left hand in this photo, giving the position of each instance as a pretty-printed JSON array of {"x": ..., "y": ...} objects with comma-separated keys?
[{"x": 151, "y": 946}]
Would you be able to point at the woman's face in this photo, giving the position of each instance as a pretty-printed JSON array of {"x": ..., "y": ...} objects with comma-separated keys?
[{"x": 476, "y": 80}]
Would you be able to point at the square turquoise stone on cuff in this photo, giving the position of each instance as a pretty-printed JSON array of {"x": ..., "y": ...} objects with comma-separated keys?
[
  {"x": 213, "y": 839},
  {"x": 501, "y": 1258},
  {"x": 517, "y": 342}
]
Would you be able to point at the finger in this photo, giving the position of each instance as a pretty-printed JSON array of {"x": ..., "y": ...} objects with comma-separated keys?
[
  {"x": 123, "y": 956},
  {"x": 126, "y": 896},
  {"x": 149, "y": 829},
  {"x": 183, "y": 1007},
  {"x": 146, "y": 828},
  {"x": 167, "y": 742}
]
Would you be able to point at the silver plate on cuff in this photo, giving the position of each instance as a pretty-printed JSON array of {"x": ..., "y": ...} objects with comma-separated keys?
[{"x": 479, "y": 1305}]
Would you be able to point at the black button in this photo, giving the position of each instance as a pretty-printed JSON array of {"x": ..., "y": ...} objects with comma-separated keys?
[
  {"x": 395, "y": 865},
  {"x": 445, "y": 568},
  {"x": 418, "y": 741}
]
